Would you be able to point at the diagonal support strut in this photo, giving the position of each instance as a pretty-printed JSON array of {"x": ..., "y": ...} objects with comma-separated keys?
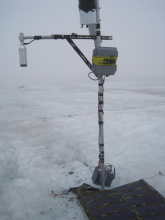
[{"x": 79, "y": 53}]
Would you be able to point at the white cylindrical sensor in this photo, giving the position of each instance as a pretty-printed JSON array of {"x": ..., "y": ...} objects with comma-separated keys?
[{"x": 22, "y": 56}]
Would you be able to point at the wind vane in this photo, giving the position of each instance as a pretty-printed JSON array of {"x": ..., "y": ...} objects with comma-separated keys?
[{"x": 103, "y": 64}]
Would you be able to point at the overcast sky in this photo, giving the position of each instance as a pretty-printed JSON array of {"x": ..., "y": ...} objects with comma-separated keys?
[{"x": 137, "y": 27}]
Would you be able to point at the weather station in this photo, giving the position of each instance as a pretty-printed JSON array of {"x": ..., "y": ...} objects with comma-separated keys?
[{"x": 103, "y": 65}]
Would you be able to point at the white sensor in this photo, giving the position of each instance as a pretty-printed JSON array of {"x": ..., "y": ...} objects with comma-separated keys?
[{"x": 22, "y": 51}]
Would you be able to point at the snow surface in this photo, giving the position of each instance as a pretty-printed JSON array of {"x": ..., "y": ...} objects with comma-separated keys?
[{"x": 47, "y": 131}]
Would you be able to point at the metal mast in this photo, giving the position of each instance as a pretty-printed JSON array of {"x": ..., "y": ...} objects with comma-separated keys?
[
  {"x": 100, "y": 101},
  {"x": 103, "y": 64}
]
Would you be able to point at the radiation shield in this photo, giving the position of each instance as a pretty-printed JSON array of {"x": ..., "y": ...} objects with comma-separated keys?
[
  {"x": 22, "y": 56},
  {"x": 22, "y": 51}
]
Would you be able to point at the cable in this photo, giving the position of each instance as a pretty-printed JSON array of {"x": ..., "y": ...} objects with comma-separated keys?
[
  {"x": 81, "y": 208},
  {"x": 103, "y": 79},
  {"x": 29, "y": 42},
  {"x": 154, "y": 175},
  {"x": 91, "y": 170},
  {"x": 92, "y": 78}
]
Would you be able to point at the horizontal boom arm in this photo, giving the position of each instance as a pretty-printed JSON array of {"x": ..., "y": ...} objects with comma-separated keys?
[{"x": 73, "y": 36}]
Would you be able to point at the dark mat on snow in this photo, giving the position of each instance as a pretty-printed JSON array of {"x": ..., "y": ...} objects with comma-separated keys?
[{"x": 134, "y": 201}]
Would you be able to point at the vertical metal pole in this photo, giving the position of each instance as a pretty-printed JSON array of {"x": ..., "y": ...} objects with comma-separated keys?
[{"x": 100, "y": 102}]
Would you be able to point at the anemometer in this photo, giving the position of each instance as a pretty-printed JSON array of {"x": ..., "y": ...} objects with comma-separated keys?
[{"x": 103, "y": 64}]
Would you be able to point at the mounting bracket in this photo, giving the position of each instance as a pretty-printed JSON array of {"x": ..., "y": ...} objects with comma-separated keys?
[{"x": 69, "y": 39}]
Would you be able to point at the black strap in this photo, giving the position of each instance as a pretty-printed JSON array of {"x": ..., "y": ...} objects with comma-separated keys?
[
  {"x": 98, "y": 26},
  {"x": 101, "y": 157},
  {"x": 37, "y": 37},
  {"x": 101, "y": 111},
  {"x": 98, "y": 33}
]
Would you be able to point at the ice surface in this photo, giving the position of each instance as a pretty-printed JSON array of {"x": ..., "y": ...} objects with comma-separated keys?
[{"x": 47, "y": 131}]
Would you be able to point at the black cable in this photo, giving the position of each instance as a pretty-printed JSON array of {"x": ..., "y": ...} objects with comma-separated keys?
[
  {"x": 29, "y": 42},
  {"x": 114, "y": 169},
  {"x": 93, "y": 79},
  {"x": 103, "y": 79}
]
